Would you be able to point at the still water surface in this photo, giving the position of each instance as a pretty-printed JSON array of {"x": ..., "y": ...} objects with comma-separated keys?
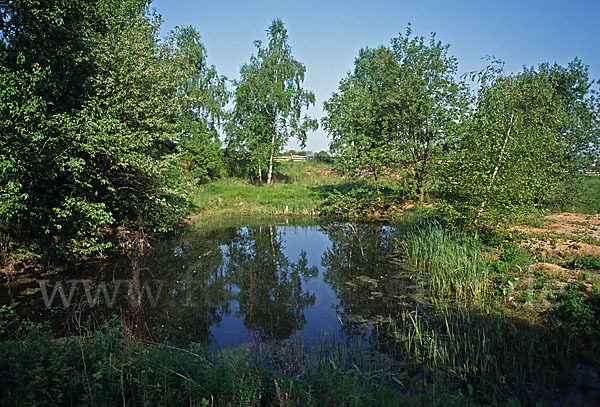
[{"x": 231, "y": 285}]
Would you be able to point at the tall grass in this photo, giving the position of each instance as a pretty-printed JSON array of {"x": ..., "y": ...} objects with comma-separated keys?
[
  {"x": 494, "y": 357},
  {"x": 452, "y": 263},
  {"x": 462, "y": 337}
]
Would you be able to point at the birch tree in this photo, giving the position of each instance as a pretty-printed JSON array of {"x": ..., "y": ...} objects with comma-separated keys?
[
  {"x": 525, "y": 141},
  {"x": 202, "y": 95},
  {"x": 269, "y": 101}
]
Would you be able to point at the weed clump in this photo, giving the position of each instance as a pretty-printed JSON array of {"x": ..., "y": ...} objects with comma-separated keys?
[{"x": 452, "y": 262}]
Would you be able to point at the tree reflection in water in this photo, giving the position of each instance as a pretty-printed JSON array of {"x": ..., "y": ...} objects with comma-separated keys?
[
  {"x": 271, "y": 297},
  {"x": 192, "y": 285},
  {"x": 363, "y": 270},
  {"x": 237, "y": 281}
]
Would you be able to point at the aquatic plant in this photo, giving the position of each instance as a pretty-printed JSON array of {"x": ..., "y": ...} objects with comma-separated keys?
[
  {"x": 452, "y": 263},
  {"x": 491, "y": 356}
]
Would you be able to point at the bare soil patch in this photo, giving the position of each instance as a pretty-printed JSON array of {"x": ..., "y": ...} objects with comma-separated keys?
[
  {"x": 324, "y": 171},
  {"x": 564, "y": 235},
  {"x": 576, "y": 225},
  {"x": 553, "y": 270}
]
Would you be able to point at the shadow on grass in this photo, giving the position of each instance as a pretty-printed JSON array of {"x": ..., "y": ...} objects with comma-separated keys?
[{"x": 354, "y": 199}]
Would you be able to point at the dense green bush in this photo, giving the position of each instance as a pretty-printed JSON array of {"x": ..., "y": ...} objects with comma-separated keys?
[
  {"x": 361, "y": 199},
  {"x": 98, "y": 119},
  {"x": 578, "y": 309}
]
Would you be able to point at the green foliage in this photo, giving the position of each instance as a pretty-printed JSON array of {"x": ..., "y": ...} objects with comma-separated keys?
[
  {"x": 268, "y": 103},
  {"x": 583, "y": 196},
  {"x": 323, "y": 156},
  {"x": 523, "y": 142},
  {"x": 14, "y": 328},
  {"x": 39, "y": 167},
  {"x": 361, "y": 200},
  {"x": 97, "y": 116},
  {"x": 452, "y": 262},
  {"x": 578, "y": 309},
  {"x": 355, "y": 120},
  {"x": 511, "y": 258},
  {"x": 202, "y": 95},
  {"x": 586, "y": 262},
  {"x": 400, "y": 106},
  {"x": 127, "y": 122},
  {"x": 498, "y": 238}
]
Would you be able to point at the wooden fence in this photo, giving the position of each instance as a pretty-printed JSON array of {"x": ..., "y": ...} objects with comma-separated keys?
[{"x": 291, "y": 157}]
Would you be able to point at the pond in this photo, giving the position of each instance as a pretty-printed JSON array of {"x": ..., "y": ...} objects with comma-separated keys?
[
  {"x": 229, "y": 285},
  {"x": 312, "y": 295}
]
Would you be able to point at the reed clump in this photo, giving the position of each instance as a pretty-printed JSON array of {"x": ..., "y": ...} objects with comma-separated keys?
[
  {"x": 489, "y": 355},
  {"x": 453, "y": 264}
]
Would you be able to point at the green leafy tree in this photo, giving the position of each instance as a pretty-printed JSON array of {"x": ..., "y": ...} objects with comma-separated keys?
[
  {"x": 130, "y": 120},
  {"x": 88, "y": 111},
  {"x": 582, "y": 126},
  {"x": 269, "y": 101},
  {"x": 524, "y": 142},
  {"x": 323, "y": 156},
  {"x": 46, "y": 61},
  {"x": 202, "y": 96},
  {"x": 428, "y": 102},
  {"x": 358, "y": 116},
  {"x": 400, "y": 106}
]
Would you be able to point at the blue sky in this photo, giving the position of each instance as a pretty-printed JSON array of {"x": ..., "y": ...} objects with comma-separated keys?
[{"x": 327, "y": 35}]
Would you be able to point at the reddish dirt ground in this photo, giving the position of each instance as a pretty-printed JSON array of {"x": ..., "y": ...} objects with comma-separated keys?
[{"x": 564, "y": 235}]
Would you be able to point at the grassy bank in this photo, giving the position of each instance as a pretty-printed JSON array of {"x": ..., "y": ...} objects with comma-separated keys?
[
  {"x": 307, "y": 188},
  {"x": 296, "y": 190},
  {"x": 312, "y": 188}
]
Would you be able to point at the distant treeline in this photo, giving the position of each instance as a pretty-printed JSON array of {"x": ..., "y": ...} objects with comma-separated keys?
[{"x": 104, "y": 126}]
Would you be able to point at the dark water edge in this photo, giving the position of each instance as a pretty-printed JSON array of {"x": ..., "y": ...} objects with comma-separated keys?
[{"x": 226, "y": 285}]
